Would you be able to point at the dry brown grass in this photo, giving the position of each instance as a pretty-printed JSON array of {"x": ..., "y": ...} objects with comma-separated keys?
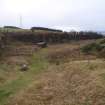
[
  {"x": 73, "y": 83},
  {"x": 77, "y": 80},
  {"x": 67, "y": 52}
]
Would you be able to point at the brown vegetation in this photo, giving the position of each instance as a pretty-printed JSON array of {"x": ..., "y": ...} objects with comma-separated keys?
[
  {"x": 70, "y": 77},
  {"x": 50, "y": 37},
  {"x": 73, "y": 83}
]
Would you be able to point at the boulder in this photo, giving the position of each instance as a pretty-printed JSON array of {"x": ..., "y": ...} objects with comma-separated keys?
[
  {"x": 24, "y": 67},
  {"x": 42, "y": 44}
]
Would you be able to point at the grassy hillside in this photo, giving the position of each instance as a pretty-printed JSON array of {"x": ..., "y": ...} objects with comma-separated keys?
[
  {"x": 72, "y": 83},
  {"x": 58, "y": 75}
]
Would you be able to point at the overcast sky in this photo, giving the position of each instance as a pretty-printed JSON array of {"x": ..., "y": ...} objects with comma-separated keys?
[{"x": 66, "y": 14}]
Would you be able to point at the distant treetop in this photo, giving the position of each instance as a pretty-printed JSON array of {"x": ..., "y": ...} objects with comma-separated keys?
[
  {"x": 13, "y": 27},
  {"x": 45, "y": 29}
]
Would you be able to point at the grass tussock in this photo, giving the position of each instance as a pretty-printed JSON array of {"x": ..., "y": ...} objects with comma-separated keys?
[{"x": 97, "y": 48}]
